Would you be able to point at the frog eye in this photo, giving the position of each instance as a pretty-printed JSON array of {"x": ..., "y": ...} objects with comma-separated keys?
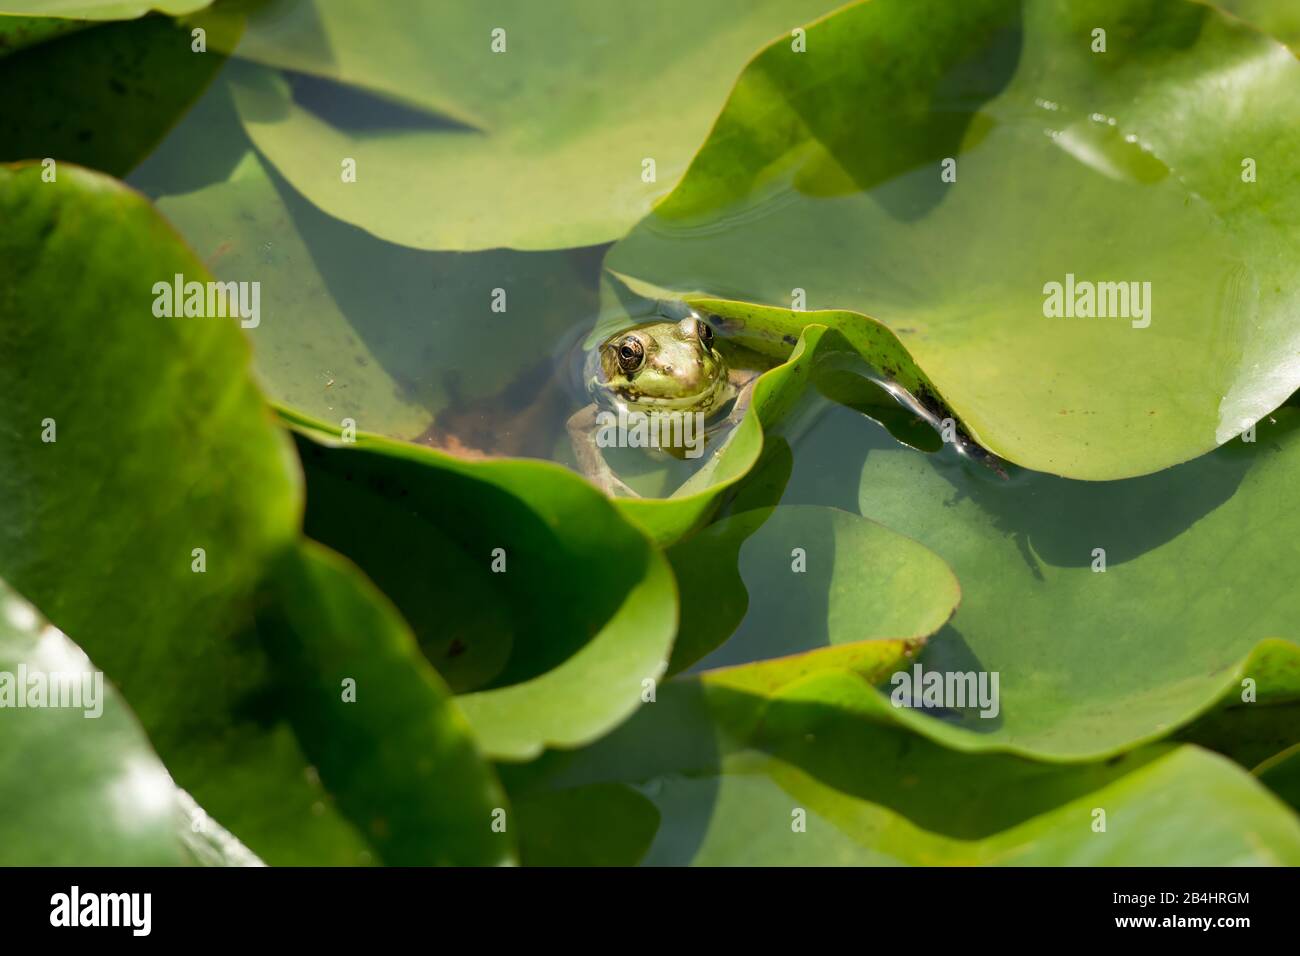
[
  {"x": 631, "y": 354},
  {"x": 705, "y": 333}
]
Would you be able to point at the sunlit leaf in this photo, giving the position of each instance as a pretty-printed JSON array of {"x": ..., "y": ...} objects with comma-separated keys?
[{"x": 1166, "y": 160}]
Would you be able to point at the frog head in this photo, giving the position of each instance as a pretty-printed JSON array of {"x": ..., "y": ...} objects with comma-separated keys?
[{"x": 659, "y": 366}]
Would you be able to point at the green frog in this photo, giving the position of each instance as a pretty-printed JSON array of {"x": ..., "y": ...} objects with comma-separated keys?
[
  {"x": 667, "y": 373},
  {"x": 674, "y": 368}
]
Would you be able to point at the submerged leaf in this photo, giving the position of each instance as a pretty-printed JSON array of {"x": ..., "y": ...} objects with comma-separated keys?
[
  {"x": 454, "y": 349},
  {"x": 531, "y": 126}
]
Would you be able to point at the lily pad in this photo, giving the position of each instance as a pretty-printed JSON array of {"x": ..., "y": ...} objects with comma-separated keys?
[
  {"x": 161, "y": 486},
  {"x": 1257, "y": 722},
  {"x": 560, "y": 606},
  {"x": 98, "y": 9},
  {"x": 539, "y": 146},
  {"x": 1281, "y": 774},
  {"x": 19, "y": 33},
  {"x": 1092, "y": 661},
  {"x": 815, "y": 577},
  {"x": 807, "y": 786},
  {"x": 80, "y": 785},
  {"x": 824, "y": 185},
  {"x": 101, "y": 97},
  {"x": 1277, "y": 19},
  {"x": 607, "y": 824},
  {"x": 377, "y": 723}
]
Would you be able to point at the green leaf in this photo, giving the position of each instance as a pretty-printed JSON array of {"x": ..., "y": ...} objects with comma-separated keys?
[
  {"x": 805, "y": 577},
  {"x": 1277, "y": 19},
  {"x": 80, "y": 793},
  {"x": 1196, "y": 563},
  {"x": 80, "y": 785},
  {"x": 601, "y": 825},
  {"x": 163, "y": 447},
  {"x": 1257, "y": 721},
  {"x": 377, "y": 723},
  {"x": 135, "y": 440},
  {"x": 729, "y": 792},
  {"x": 19, "y": 33},
  {"x": 101, "y": 97},
  {"x": 531, "y": 593},
  {"x": 824, "y": 174},
  {"x": 207, "y": 842},
  {"x": 547, "y": 145},
  {"x": 98, "y": 9},
  {"x": 1281, "y": 774}
]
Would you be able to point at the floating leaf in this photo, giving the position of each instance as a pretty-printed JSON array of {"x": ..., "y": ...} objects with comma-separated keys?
[
  {"x": 101, "y": 97},
  {"x": 601, "y": 825},
  {"x": 1257, "y": 722},
  {"x": 823, "y": 185},
  {"x": 1113, "y": 612},
  {"x": 809, "y": 786},
  {"x": 1281, "y": 774},
  {"x": 558, "y": 605},
  {"x": 814, "y": 577},
  {"x": 98, "y": 9},
  {"x": 80, "y": 785},
  {"x": 377, "y": 723},
  {"x": 1278, "y": 19},
  {"x": 18, "y": 33}
]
